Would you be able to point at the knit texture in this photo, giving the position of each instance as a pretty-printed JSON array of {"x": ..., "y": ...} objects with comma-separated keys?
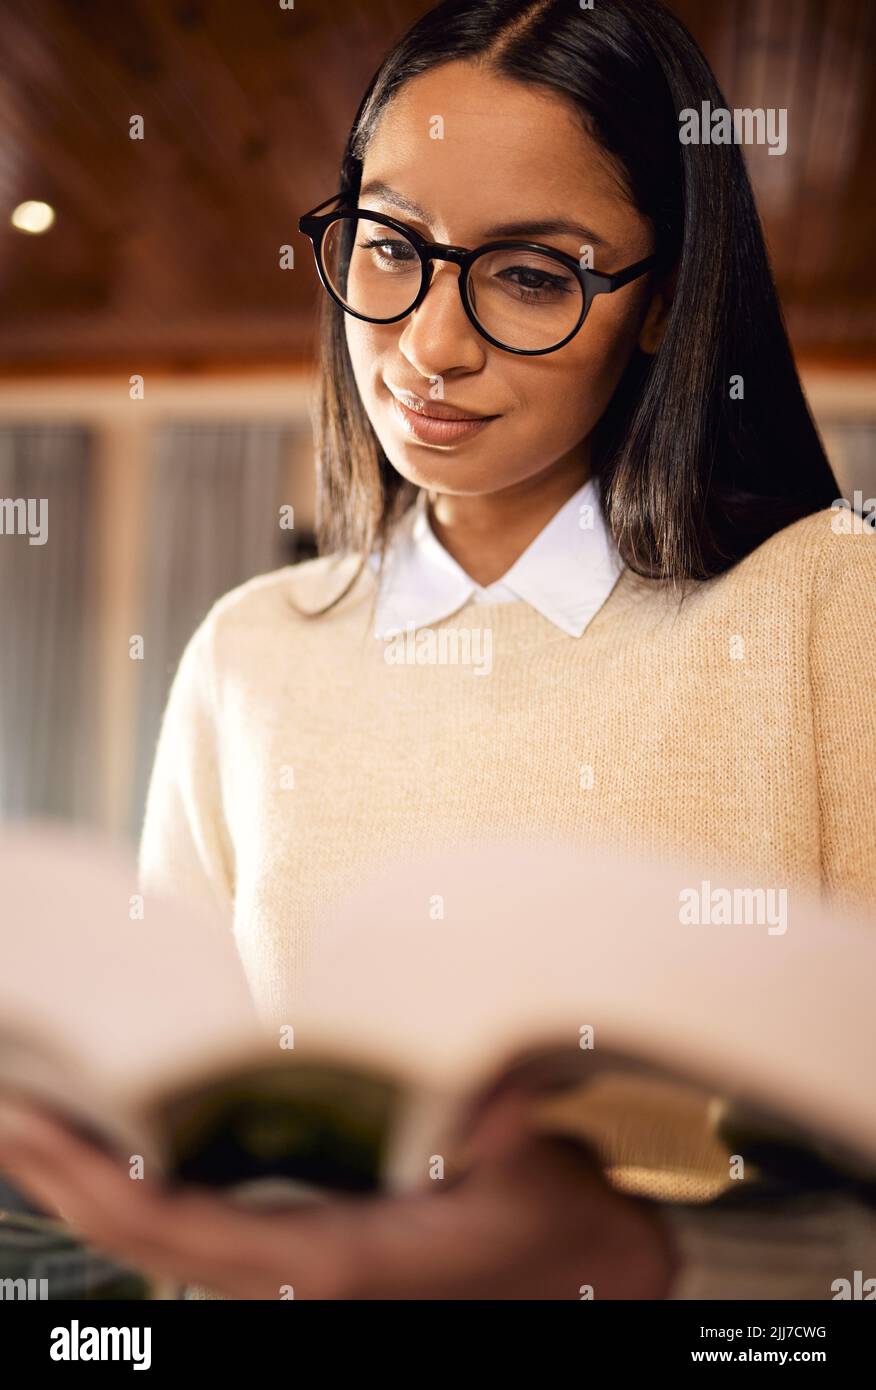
[{"x": 736, "y": 726}]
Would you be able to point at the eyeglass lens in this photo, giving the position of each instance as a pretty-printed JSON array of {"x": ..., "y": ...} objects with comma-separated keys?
[{"x": 523, "y": 299}]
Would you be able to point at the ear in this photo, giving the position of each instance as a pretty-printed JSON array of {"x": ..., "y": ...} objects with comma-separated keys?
[{"x": 657, "y": 316}]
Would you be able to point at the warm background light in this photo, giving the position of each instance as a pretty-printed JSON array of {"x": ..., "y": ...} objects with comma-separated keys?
[{"x": 33, "y": 216}]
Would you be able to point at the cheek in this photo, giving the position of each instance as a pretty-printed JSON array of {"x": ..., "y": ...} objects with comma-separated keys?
[
  {"x": 370, "y": 347},
  {"x": 372, "y": 350},
  {"x": 569, "y": 391},
  {"x": 601, "y": 353},
  {"x": 361, "y": 347}
]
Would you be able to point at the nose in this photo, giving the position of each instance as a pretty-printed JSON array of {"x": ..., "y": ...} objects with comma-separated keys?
[{"x": 437, "y": 338}]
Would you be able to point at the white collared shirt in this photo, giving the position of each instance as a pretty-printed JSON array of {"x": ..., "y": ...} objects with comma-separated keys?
[{"x": 566, "y": 573}]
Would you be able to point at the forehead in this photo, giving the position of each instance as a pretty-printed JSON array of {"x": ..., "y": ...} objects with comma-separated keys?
[{"x": 474, "y": 149}]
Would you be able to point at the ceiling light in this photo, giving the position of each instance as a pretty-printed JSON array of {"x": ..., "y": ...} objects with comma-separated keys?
[{"x": 34, "y": 217}]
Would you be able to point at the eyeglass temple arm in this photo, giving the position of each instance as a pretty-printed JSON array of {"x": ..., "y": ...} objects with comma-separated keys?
[
  {"x": 319, "y": 207},
  {"x": 632, "y": 272}
]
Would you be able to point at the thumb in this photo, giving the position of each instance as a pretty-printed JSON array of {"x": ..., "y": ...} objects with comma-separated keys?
[{"x": 500, "y": 1124}]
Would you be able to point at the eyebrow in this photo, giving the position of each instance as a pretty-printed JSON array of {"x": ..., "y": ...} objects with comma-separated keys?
[{"x": 542, "y": 226}]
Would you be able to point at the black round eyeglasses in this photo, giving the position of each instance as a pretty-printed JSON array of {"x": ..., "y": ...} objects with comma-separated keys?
[{"x": 520, "y": 296}]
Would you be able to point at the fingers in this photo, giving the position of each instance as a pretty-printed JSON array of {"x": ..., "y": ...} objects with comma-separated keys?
[
  {"x": 501, "y": 1125},
  {"x": 518, "y": 1221},
  {"x": 184, "y": 1236}
]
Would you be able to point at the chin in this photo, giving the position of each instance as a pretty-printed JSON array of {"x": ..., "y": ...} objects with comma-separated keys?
[{"x": 429, "y": 469}]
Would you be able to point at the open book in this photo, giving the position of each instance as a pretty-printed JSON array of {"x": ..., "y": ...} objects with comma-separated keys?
[{"x": 565, "y": 970}]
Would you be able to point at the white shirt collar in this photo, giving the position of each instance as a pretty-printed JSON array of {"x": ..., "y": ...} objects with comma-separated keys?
[{"x": 566, "y": 573}]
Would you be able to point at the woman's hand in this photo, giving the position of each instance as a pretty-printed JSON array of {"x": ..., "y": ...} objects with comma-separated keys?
[{"x": 532, "y": 1217}]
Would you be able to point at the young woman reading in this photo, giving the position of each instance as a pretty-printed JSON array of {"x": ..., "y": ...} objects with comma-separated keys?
[{"x": 560, "y": 424}]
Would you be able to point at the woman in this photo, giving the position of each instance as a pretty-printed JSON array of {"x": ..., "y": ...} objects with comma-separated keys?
[{"x": 582, "y": 466}]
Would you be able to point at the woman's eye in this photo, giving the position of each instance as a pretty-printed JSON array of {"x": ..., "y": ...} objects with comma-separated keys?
[
  {"x": 390, "y": 251},
  {"x": 535, "y": 284}
]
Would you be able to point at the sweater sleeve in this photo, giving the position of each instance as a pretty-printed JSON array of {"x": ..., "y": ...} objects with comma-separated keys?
[
  {"x": 185, "y": 846},
  {"x": 843, "y": 688}
]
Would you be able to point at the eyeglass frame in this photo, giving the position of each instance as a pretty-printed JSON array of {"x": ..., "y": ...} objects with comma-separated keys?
[{"x": 592, "y": 282}]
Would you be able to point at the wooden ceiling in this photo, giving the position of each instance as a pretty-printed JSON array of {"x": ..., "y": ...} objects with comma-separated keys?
[{"x": 165, "y": 250}]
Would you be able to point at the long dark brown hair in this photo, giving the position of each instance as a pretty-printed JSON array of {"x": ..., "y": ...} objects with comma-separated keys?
[{"x": 691, "y": 480}]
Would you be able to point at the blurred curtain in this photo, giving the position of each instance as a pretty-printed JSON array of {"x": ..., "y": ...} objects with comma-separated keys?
[
  {"x": 48, "y": 671},
  {"x": 214, "y": 522}
]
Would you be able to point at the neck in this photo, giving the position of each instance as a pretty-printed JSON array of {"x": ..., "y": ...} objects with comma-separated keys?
[{"x": 486, "y": 532}]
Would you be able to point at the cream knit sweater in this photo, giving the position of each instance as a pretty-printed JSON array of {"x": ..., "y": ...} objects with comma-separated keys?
[{"x": 738, "y": 726}]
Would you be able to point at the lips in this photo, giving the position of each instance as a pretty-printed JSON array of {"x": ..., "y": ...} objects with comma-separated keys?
[
  {"x": 430, "y": 430},
  {"x": 436, "y": 422},
  {"x": 436, "y": 410}
]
